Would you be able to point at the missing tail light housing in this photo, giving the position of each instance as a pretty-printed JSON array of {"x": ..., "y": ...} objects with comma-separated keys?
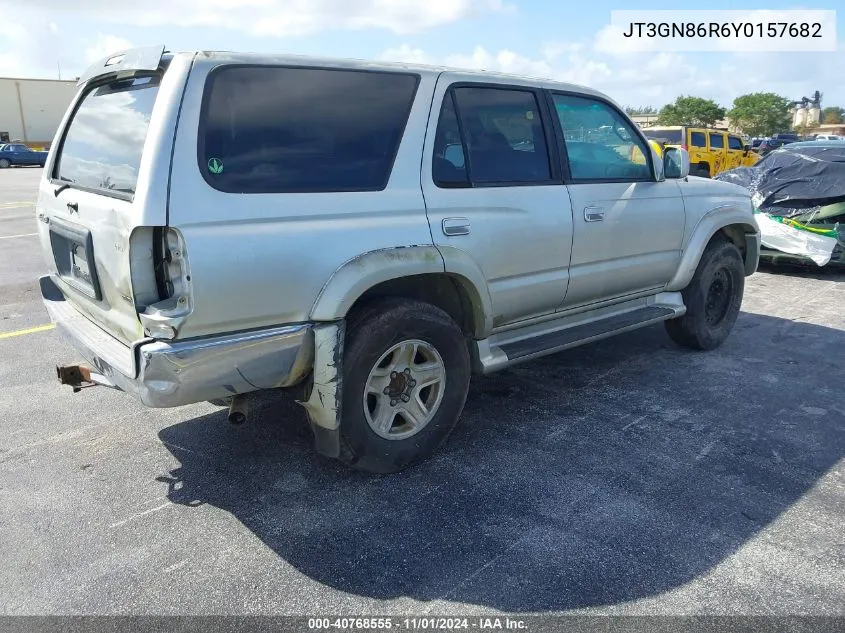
[{"x": 163, "y": 318}]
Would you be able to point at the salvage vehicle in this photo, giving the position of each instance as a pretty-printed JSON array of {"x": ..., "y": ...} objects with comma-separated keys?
[
  {"x": 19, "y": 155},
  {"x": 799, "y": 196},
  {"x": 367, "y": 234},
  {"x": 711, "y": 151}
]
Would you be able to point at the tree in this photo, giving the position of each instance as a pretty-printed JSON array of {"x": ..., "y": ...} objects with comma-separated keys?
[
  {"x": 760, "y": 113},
  {"x": 632, "y": 110},
  {"x": 833, "y": 114},
  {"x": 691, "y": 111}
]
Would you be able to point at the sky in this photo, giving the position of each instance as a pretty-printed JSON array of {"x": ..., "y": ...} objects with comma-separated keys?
[{"x": 565, "y": 40}]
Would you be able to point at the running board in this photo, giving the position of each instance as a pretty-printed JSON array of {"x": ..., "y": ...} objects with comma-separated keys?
[{"x": 506, "y": 349}]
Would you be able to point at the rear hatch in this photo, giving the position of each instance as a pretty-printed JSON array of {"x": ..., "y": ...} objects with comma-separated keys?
[{"x": 101, "y": 206}]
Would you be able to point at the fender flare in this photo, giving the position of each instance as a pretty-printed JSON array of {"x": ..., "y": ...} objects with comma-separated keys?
[
  {"x": 357, "y": 275},
  {"x": 709, "y": 224}
]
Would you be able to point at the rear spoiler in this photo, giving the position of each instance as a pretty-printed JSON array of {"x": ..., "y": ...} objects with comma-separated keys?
[{"x": 128, "y": 61}]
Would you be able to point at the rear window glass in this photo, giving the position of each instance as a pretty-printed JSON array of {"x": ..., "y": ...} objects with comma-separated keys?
[
  {"x": 276, "y": 129},
  {"x": 103, "y": 144},
  {"x": 717, "y": 140},
  {"x": 697, "y": 139},
  {"x": 666, "y": 137}
]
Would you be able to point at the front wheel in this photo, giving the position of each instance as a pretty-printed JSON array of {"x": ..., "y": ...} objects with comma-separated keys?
[
  {"x": 712, "y": 298},
  {"x": 406, "y": 372}
]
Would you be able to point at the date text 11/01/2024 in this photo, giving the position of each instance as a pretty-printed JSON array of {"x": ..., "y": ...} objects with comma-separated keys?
[{"x": 418, "y": 624}]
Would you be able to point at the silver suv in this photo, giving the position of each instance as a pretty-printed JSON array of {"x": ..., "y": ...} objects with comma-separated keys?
[{"x": 372, "y": 234}]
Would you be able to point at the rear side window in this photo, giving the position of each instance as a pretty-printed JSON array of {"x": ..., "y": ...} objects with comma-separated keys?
[
  {"x": 283, "y": 130},
  {"x": 734, "y": 142},
  {"x": 104, "y": 141},
  {"x": 717, "y": 141},
  {"x": 697, "y": 139}
]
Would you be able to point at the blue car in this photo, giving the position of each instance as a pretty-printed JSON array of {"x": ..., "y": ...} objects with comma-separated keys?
[{"x": 12, "y": 154}]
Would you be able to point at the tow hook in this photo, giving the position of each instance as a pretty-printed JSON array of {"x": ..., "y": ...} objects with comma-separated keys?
[
  {"x": 77, "y": 376},
  {"x": 238, "y": 410}
]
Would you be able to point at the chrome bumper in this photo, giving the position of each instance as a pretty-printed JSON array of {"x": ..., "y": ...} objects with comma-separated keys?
[{"x": 170, "y": 374}]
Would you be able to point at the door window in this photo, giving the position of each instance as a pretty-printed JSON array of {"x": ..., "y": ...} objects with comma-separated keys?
[
  {"x": 717, "y": 141},
  {"x": 600, "y": 143},
  {"x": 448, "y": 168},
  {"x": 697, "y": 139},
  {"x": 503, "y": 132},
  {"x": 734, "y": 142}
]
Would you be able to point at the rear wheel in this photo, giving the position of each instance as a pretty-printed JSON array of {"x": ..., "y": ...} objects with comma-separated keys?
[
  {"x": 712, "y": 298},
  {"x": 4, "y": 163},
  {"x": 406, "y": 374}
]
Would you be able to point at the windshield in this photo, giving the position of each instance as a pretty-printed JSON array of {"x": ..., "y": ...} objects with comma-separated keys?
[
  {"x": 105, "y": 139},
  {"x": 667, "y": 137}
]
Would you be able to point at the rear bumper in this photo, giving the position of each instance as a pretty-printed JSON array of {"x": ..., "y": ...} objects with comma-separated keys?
[{"x": 170, "y": 374}]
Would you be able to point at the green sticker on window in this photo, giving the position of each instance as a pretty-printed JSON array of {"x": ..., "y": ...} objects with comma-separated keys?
[{"x": 215, "y": 165}]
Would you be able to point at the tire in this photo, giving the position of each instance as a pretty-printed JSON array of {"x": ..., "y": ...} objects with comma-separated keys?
[
  {"x": 380, "y": 340},
  {"x": 713, "y": 298},
  {"x": 4, "y": 163}
]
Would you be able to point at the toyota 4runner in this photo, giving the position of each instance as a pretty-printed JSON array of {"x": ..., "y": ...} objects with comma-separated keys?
[{"x": 372, "y": 234}]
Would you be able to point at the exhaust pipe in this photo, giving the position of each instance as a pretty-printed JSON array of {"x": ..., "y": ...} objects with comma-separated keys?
[
  {"x": 79, "y": 377},
  {"x": 238, "y": 410}
]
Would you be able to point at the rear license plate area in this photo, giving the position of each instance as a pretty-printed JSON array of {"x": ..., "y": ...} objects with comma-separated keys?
[{"x": 73, "y": 253}]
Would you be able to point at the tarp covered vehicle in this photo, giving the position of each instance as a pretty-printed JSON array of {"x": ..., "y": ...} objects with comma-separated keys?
[{"x": 799, "y": 198}]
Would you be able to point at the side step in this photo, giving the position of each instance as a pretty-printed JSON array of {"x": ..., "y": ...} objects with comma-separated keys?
[
  {"x": 578, "y": 334},
  {"x": 593, "y": 330}
]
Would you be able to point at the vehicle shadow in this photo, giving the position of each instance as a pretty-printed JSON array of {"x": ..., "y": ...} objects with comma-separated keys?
[{"x": 600, "y": 475}]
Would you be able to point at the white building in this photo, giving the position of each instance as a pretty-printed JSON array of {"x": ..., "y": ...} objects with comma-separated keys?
[{"x": 31, "y": 109}]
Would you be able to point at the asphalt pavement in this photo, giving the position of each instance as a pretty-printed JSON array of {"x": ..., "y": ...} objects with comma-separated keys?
[{"x": 625, "y": 477}]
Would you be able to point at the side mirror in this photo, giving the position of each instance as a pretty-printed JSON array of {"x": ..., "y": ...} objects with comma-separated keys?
[
  {"x": 658, "y": 164},
  {"x": 675, "y": 163}
]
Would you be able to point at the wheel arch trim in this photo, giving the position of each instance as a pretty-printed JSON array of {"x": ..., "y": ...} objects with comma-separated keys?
[
  {"x": 354, "y": 277},
  {"x": 709, "y": 224}
]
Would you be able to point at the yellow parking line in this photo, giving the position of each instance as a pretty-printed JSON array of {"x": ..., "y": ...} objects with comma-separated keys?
[{"x": 31, "y": 330}]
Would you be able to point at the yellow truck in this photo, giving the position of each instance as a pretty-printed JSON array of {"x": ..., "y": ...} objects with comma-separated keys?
[{"x": 710, "y": 151}]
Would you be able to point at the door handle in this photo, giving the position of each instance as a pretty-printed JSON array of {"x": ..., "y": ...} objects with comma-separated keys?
[
  {"x": 455, "y": 226},
  {"x": 593, "y": 214}
]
